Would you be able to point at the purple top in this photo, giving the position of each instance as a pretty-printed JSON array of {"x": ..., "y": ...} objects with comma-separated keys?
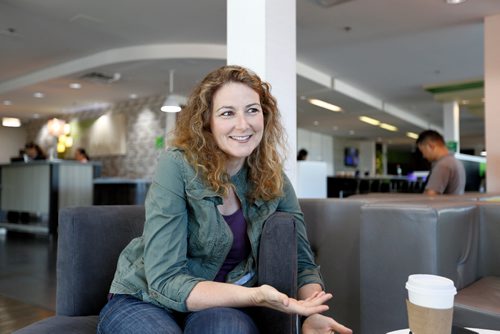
[{"x": 241, "y": 244}]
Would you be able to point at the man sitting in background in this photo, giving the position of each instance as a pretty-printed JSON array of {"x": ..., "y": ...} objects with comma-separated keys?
[{"x": 447, "y": 175}]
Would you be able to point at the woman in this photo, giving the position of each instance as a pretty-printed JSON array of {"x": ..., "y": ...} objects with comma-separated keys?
[
  {"x": 194, "y": 268},
  {"x": 81, "y": 155},
  {"x": 34, "y": 151}
]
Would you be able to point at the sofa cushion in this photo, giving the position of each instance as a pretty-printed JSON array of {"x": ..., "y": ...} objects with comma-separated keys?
[
  {"x": 478, "y": 305},
  {"x": 62, "y": 324}
]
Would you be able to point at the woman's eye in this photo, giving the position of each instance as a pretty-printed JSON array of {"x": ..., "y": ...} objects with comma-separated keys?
[
  {"x": 253, "y": 110},
  {"x": 226, "y": 113}
]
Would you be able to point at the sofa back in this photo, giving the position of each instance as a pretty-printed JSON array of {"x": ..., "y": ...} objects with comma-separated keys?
[
  {"x": 489, "y": 236},
  {"x": 398, "y": 239},
  {"x": 90, "y": 239}
]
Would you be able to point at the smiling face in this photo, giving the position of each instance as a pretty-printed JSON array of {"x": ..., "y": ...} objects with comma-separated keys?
[{"x": 237, "y": 122}]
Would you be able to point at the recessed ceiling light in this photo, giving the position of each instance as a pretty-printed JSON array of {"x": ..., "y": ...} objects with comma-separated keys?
[
  {"x": 412, "y": 135},
  {"x": 38, "y": 95},
  {"x": 351, "y": 132},
  {"x": 388, "y": 127},
  {"x": 75, "y": 85},
  {"x": 316, "y": 123},
  {"x": 369, "y": 120},
  {"x": 11, "y": 122},
  {"x": 36, "y": 115},
  {"x": 7, "y": 103},
  {"x": 132, "y": 96},
  {"x": 325, "y": 105},
  {"x": 454, "y": 2}
]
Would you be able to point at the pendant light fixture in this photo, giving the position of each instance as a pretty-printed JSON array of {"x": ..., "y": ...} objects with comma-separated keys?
[{"x": 171, "y": 104}]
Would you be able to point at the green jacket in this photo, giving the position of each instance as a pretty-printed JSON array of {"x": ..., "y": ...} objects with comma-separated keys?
[{"x": 186, "y": 240}]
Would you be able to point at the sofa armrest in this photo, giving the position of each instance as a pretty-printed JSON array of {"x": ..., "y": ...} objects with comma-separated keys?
[{"x": 278, "y": 268}]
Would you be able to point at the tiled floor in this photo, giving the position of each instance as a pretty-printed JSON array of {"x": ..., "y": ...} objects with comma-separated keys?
[{"x": 28, "y": 272}]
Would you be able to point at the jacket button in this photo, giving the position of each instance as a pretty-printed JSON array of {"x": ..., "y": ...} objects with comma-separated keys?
[{"x": 153, "y": 294}]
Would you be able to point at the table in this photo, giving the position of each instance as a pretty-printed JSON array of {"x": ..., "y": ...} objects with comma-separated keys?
[{"x": 478, "y": 330}]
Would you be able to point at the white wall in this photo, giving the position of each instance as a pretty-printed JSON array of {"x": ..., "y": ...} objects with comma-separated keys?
[
  {"x": 326, "y": 148},
  {"x": 318, "y": 146},
  {"x": 11, "y": 141},
  {"x": 366, "y": 156}
]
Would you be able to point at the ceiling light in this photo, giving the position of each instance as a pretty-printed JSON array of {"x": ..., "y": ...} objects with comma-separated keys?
[
  {"x": 75, "y": 85},
  {"x": 369, "y": 120},
  {"x": 132, "y": 96},
  {"x": 38, "y": 95},
  {"x": 455, "y": 2},
  {"x": 316, "y": 123},
  {"x": 7, "y": 103},
  {"x": 412, "y": 135},
  {"x": 325, "y": 105},
  {"x": 55, "y": 127},
  {"x": 11, "y": 122},
  {"x": 171, "y": 104},
  {"x": 351, "y": 132},
  {"x": 388, "y": 127}
]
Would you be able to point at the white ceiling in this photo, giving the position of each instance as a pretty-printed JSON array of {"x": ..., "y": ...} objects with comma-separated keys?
[{"x": 387, "y": 49}]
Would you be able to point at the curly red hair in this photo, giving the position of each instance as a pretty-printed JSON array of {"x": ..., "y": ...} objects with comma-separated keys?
[{"x": 193, "y": 135}]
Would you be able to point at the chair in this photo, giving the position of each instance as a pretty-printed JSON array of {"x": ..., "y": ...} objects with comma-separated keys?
[{"x": 91, "y": 239}]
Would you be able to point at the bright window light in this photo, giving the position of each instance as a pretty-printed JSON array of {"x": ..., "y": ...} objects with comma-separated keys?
[
  {"x": 11, "y": 122},
  {"x": 369, "y": 120},
  {"x": 325, "y": 105},
  {"x": 388, "y": 127}
]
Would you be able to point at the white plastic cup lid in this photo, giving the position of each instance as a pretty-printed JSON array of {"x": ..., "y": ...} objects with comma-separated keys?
[
  {"x": 431, "y": 284},
  {"x": 431, "y": 291}
]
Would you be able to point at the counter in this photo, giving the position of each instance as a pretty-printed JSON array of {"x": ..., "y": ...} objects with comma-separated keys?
[{"x": 42, "y": 188}]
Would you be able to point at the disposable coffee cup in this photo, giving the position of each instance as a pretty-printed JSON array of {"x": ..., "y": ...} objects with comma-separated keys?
[{"x": 430, "y": 304}]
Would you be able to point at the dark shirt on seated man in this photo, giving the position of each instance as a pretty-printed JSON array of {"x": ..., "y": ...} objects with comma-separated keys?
[{"x": 447, "y": 175}]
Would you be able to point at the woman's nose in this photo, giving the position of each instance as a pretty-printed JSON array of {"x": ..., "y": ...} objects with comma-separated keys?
[{"x": 241, "y": 121}]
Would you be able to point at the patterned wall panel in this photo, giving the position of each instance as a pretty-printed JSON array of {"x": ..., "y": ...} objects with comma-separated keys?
[{"x": 145, "y": 123}]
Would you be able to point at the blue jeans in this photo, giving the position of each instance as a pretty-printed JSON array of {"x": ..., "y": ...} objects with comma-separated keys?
[{"x": 126, "y": 314}]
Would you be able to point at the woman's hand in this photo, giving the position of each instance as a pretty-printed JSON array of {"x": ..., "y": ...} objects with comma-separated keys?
[
  {"x": 267, "y": 296},
  {"x": 320, "y": 324}
]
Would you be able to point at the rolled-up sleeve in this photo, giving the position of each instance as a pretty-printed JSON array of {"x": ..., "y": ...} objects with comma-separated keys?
[
  {"x": 308, "y": 271},
  {"x": 165, "y": 236}
]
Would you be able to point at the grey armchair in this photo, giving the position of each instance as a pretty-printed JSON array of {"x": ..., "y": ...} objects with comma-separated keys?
[{"x": 91, "y": 239}]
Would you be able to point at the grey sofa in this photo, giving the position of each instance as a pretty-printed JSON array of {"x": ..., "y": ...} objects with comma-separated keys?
[
  {"x": 452, "y": 238},
  {"x": 368, "y": 245},
  {"x": 91, "y": 239}
]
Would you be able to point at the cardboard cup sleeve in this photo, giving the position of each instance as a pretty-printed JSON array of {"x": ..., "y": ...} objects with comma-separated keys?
[{"x": 423, "y": 320}]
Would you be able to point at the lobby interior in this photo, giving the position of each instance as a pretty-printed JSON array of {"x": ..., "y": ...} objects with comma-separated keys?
[{"x": 408, "y": 65}]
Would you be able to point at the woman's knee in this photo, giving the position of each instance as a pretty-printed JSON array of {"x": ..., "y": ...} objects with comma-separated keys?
[
  {"x": 126, "y": 314},
  {"x": 220, "y": 320}
]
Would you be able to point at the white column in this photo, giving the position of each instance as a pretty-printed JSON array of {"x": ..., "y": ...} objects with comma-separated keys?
[
  {"x": 170, "y": 118},
  {"x": 261, "y": 36},
  {"x": 451, "y": 120},
  {"x": 492, "y": 101}
]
